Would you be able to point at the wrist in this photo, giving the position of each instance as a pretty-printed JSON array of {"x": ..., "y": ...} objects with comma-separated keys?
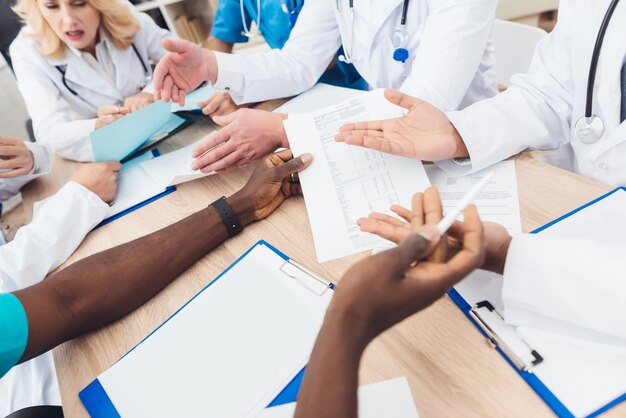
[
  {"x": 460, "y": 150},
  {"x": 502, "y": 256},
  {"x": 280, "y": 128},
  {"x": 348, "y": 322},
  {"x": 210, "y": 66},
  {"x": 242, "y": 208}
]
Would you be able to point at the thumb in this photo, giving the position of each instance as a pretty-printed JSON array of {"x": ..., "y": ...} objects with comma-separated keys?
[
  {"x": 294, "y": 165},
  {"x": 225, "y": 119},
  {"x": 114, "y": 165},
  {"x": 400, "y": 99},
  {"x": 416, "y": 247},
  {"x": 178, "y": 46}
]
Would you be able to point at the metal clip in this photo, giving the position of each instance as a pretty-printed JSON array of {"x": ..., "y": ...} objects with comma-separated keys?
[
  {"x": 522, "y": 355},
  {"x": 305, "y": 277}
]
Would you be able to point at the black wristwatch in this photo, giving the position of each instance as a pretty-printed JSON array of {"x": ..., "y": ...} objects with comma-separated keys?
[{"x": 227, "y": 216}]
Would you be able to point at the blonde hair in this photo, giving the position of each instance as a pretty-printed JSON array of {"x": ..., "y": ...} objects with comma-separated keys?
[{"x": 116, "y": 17}]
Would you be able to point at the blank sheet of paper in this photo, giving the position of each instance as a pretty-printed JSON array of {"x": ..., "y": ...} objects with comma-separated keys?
[
  {"x": 228, "y": 352},
  {"x": 134, "y": 186},
  {"x": 345, "y": 182}
]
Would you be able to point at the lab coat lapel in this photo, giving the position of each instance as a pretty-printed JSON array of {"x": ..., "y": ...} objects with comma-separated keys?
[
  {"x": 127, "y": 72},
  {"x": 380, "y": 13},
  {"x": 86, "y": 81}
]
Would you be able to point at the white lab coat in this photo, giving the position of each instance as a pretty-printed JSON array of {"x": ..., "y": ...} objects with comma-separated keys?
[
  {"x": 540, "y": 108},
  {"x": 551, "y": 279},
  {"x": 11, "y": 187},
  {"x": 62, "y": 120},
  {"x": 451, "y": 61},
  {"x": 60, "y": 224}
]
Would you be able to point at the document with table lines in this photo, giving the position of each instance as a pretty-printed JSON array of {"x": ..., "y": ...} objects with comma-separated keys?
[
  {"x": 175, "y": 167},
  {"x": 345, "y": 182}
]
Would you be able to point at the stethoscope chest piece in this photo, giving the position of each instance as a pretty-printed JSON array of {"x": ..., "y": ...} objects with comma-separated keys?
[
  {"x": 399, "y": 38},
  {"x": 589, "y": 130}
]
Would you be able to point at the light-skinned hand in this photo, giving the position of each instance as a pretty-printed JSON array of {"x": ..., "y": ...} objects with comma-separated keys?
[
  {"x": 138, "y": 101},
  {"x": 99, "y": 178},
  {"x": 182, "y": 70},
  {"x": 15, "y": 158},
  {"x": 109, "y": 114},
  {"x": 219, "y": 104},
  {"x": 424, "y": 132},
  {"x": 247, "y": 135}
]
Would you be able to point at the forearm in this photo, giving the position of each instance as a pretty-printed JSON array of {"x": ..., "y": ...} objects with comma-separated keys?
[
  {"x": 106, "y": 286},
  {"x": 330, "y": 383},
  {"x": 216, "y": 44}
]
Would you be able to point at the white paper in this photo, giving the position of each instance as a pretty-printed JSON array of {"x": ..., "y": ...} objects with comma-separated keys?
[
  {"x": 499, "y": 203},
  {"x": 320, "y": 96},
  {"x": 345, "y": 182},
  {"x": 134, "y": 186},
  {"x": 175, "y": 167},
  {"x": 388, "y": 399},
  {"x": 583, "y": 371},
  {"x": 228, "y": 353}
]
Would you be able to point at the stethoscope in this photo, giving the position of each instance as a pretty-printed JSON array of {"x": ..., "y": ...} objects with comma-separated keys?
[
  {"x": 590, "y": 128},
  {"x": 293, "y": 16},
  {"x": 146, "y": 71},
  {"x": 399, "y": 37}
]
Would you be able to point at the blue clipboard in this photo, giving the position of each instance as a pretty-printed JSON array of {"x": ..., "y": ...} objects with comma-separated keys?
[
  {"x": 168, "y": 190},
  {"x": 99, "y": 405},
  {"x": 533, "y": 381}
]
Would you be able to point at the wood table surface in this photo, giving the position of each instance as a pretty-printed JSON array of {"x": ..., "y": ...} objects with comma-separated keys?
[{"x": 451, "y": 369}]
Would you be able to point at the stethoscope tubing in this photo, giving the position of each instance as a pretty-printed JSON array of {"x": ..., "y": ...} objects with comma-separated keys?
[{"x": 593, "y": 67}]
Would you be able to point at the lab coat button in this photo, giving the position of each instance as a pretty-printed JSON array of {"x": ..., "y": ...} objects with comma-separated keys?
[{"x": 603, "y": 167}]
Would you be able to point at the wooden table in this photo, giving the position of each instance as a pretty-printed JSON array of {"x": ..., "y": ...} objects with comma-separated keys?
[{"x": 451, "y": 368}]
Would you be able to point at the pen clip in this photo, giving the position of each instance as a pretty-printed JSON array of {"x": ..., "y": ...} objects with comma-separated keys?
[
  {"x": 305, "y": 277},
  {"x": 491, "y": 319}
]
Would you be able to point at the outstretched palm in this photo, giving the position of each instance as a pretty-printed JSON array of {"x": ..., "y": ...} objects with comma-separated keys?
[{"x": 424, "y": 132}]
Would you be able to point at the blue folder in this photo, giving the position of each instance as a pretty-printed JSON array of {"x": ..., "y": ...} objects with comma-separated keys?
[
  {"x": 99, "y": 405},
  {"x": 530, "y": 378},
  {"x": 168, "y": 190}
]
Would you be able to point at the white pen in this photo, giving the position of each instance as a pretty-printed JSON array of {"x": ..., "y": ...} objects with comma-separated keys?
[{"x": 449, "y": 219}]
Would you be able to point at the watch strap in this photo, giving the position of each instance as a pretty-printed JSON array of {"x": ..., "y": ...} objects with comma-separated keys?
[{"x": 227, "y": 216}]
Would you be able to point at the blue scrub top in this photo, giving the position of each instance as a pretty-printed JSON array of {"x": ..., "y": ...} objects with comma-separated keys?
[
  {"x": 13, "y": 332},
  {"x": 275, "y": 28}
]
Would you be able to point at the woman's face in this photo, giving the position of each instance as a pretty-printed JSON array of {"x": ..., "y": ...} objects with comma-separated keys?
[{"x": 75, "y": 22}]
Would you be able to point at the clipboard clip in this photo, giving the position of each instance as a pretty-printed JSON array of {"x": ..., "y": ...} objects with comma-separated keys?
[
  {"x": 518, "y": 351},
  {"x": 305, "y": 277}
]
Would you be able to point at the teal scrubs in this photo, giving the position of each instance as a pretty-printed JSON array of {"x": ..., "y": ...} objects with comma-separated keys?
[
  {"x": 13, "y": 332},
  {"x": 275, "y": 27}
]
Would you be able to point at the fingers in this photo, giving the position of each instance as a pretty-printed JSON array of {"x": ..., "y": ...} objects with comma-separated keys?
[
  {"x": 232, "y": 160},
  {"x": 110, "y": 110},
  {"x": 417, "y": 212},
  {"x": 113, "y": 165},
  {"x": 413, "y": 249},
  {"x": 293, "y": 166},
  {"x": 177, "y": 46},
  {"x": 387, "y": 230},
  {"x": 402, "y": 212},
  {"x": 285, "y": 155},
  {"x": 166, "y": 91},
  {"x": 472, "y": 253},
  {"x": 372, "y": 125},
  {"x": 226, "y": 119},
  {"x": 203, "y": 152},
  {"x": 433, "y": 212},
  {"x": 212, "y": 160},
  {"x": 398, "y": 98},
  {"x": 9, "y": 141}
]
